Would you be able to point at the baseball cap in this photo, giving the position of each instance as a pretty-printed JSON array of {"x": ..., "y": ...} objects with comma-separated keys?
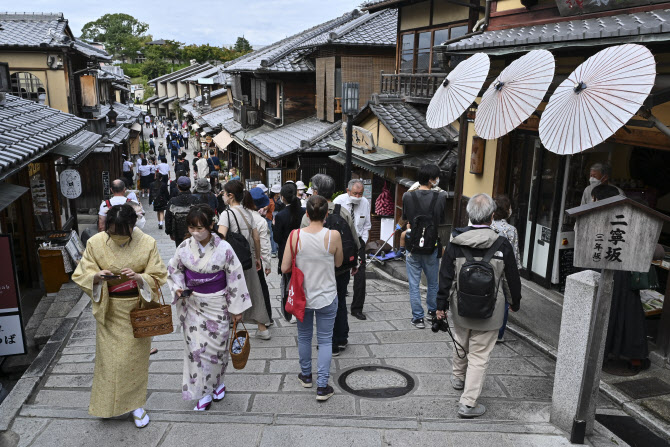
[
  {"x": 184, "y": 182},
  {"x": 260, "y": 199}
]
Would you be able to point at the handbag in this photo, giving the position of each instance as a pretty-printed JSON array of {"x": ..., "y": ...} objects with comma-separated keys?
[
  {"x": 296, "y": 301},
  {"x": 152, "y": 319},
  {"x": 239, "y": 354},
  {"x": 643, "y": 281},
  {"x": 239, "y": 243}
]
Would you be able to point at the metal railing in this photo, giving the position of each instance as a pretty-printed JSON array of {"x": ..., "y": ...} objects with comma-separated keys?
[{"x": 419, "y": 86}]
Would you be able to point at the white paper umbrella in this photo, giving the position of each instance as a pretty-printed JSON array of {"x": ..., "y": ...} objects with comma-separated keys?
[
  {"x": 515, "y": 94},
  {"x": 458, "y": 91},
  {"x": 597, "y": 99}
]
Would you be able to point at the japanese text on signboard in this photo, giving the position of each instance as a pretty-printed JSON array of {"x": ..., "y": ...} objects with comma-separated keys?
[{"x": 609, "y": 247}]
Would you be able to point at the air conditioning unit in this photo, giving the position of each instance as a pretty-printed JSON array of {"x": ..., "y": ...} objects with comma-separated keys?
[{"x": 252, "y": 117}]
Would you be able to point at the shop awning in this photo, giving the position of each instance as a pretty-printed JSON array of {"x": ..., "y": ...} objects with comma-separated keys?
[
  {"x": 10, "y": 193},
  {"x": 120, "y": 87},
  {"x": 341, "y": 159},
  {"x": 207, "y": 130},
  {"x": 223, "y": 139},
  {"x": 77, "y": 147}
]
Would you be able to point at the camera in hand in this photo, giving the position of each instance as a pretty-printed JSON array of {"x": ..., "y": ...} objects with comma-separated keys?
[{"x": 439, "y": 325}]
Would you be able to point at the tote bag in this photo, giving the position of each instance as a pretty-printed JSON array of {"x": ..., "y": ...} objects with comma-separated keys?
[{"x": 296, "y": 302}]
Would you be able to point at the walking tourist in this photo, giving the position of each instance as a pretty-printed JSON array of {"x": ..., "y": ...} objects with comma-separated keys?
[
  {"x": 318, "y": 252},
  {"x": 119, "y": 266},
  {"x": 500, "y": 226},
  {"x": 182, "y": 164},
  {"x": 255, "y": 200},
  {"x": 152, "y": 144},
  {"x": 200, "y": 167},
  {"x": 203, "y": 191},
  {"x": 127, "y": 169},
  {"x": 213, "y": 162},
  {"x": 207, "y": 268},
  {"x": 159, "y": 196},
  {"x": 144, "y": 171},
  {"x": 164, "y": 169},
  {"x": 424, "y": 210},
  {"x": 161, "y": 151},
  {"x": 177, "y": 211},
  {"x": 240, "y": 220},
  {"x": 359, "y": 208},
  {"x": 338, "y": 219},
  {"x": 118, "y": 198},
  {"x": 479, "y": 310}
]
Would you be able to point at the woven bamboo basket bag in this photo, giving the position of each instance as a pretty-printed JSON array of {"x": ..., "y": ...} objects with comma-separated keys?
[{"x": 151, "y": 319}]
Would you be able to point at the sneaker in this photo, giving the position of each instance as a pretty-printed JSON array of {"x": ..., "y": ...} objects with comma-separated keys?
[
  {"x": 336, "y": 350},
  {"x": 418, "y": 323},
  {"x": 263, "y": 335},
  {"x": 294, "y": 320},
  {"x": 305, "y": 381},
  {"x": 457, "y": 383},
  {"x": 501, "y": 339},
  {"x": 467, "y": 412},
  {"x": 432, "y": 313},
  {"x": 323, "y": 393},
  {"x": 160, "y": 227},
  {"x": 343, "y": 346},
  {"x": 274, "y": 255}
]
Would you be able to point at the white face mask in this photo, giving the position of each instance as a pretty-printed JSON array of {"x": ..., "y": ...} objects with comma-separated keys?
[
  {"x": 355, "y": 200},
  {"x": 199, "y": 235},
  {"x": 140, "y": 222},
  {"x": 594, "y": 181},
  {"x": 437, "y": 182}
]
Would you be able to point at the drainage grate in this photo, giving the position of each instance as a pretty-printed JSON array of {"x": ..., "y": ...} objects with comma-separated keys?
[
  {"x": 630, "y": 431},
  {"x": 377, "y": 382},
  {"x": 643, "y": 388}
]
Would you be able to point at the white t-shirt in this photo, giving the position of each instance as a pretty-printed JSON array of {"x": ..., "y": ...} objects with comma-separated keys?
[
  {"x": 153, "y": 168},
  {"x": 127, "y": 166},
  {"x": 132, "y": 196},
  {"x": 203, "y": 168},
  {"x": 164, "y": 168},
  {"x": 144, "y": 170},
  {"x": 114, "y": 200}
]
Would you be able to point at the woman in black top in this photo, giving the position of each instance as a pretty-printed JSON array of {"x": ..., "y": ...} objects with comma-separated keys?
[{"x": 159, "y": 197}]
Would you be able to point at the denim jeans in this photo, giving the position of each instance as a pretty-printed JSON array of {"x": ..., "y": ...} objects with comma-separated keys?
[
  {"x": 341, "y": 330},
  {"x": 430, "y": 265},
  {"x": 273, "y": 244},
  {"x": 325, "y": 320}
]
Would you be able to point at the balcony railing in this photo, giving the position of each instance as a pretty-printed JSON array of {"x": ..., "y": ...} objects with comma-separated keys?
[{"x": 414, "y": 87}]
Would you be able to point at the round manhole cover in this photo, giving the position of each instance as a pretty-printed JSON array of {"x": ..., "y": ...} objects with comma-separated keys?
[{"x": 376, "y": 382}]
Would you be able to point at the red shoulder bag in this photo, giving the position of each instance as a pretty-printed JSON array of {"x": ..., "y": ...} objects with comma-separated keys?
[{"x": 296, "y": 302}]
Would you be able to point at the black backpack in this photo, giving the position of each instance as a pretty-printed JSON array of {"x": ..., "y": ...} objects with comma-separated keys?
[
  {"x": 477, "y": 288},
  {"x": 335, "y": 221},
  {"x": 179, "y": 228},
  {"x": 239, "y": 243},
  {"x": 424, "y": 237}
]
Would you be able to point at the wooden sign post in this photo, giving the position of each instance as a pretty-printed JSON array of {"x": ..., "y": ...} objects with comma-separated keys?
[{"x": 612, "y": 234}]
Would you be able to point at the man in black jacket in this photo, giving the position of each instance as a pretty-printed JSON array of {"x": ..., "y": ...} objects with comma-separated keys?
[
  {"x": 177, "y": 210},
  {"x": 476, "y": 335}
]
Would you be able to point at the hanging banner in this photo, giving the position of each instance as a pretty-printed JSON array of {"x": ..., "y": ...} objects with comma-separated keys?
[
  {"x": 70, "y": 184},
  {"x": 12, "y": 335}
]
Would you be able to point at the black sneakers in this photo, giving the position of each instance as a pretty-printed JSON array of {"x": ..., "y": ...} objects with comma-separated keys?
[
  {"x": 419, "y": 324},
  {"x": 305, "y": 381},
  {"x": 323, "y": 393}
]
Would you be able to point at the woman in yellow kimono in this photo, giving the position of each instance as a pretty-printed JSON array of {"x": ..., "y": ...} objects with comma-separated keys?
[{"x": 120, "y": 266}]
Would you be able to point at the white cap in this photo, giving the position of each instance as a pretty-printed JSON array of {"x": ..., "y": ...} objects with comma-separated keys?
[
  {"x": 276, "y": 189},
  {"x": 309, "y": 191},
  {"x": 300, "y": 185},
  {"x": 263, "y": 188}
]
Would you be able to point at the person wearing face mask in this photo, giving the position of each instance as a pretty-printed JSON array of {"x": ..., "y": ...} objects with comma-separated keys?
[
  {"x": 206, "y": 266},
  {"x": 119, "y": 266},
  {"x": 503, "y": 228},
  {"x": 424, "y": 201},
  {"x": 599, "y": 174},
  {"x": 359, "y": 208}
]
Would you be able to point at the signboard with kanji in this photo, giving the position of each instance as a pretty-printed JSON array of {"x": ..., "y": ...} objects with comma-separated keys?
[
  {"x": 12, "y": 337},
  {"x": 616, "y": 234}
]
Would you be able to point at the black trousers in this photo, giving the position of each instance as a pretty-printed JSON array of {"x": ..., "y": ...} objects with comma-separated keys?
[
  {"x": 359, "y": 284},
  {"x": 341, "y": 328},
  {"x": 266, "y": 292}
]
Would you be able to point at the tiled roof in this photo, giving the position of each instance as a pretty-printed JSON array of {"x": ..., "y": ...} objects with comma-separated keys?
[
  {"x": 285, "y": 55},
  {"x": 213, "y": 72},
  {"x": 185, "y": 76},
  {"x": 376, "y": 29},
  {"x": 151, "y": 99},
  {"x": 125, "y": 115},
  {"x": 165, "y": 100},
  {"x": 407, "y": 124},
  {"x": 375, "y": 4},
  {"x": 186, "y": 70},
  {"x": 28, "y": 129},
  {"x": 119, "y": 134},
  {"x": 218, "y": 116},
  {"x": 78, "y": 146},
  {"x": 641, "y": 24},
  {"x": 231, "y": 126},
  {"x": 322, "y": 142},
  {"x": 42, "y": 30},
  {"x": 294, "y": 137}
]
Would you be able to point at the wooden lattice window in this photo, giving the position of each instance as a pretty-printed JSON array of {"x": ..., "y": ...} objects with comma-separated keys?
[{"x": 27, "y": 86}]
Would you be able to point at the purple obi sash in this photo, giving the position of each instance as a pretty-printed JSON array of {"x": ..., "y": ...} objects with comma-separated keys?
[{"x": 205, "y": 282}]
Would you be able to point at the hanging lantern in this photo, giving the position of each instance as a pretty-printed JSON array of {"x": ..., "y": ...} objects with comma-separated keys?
[{"x": 350, "y": 96}]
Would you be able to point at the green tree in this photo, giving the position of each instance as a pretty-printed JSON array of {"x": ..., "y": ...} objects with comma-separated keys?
[
  {"x": 153, "y": 68},
  {"x": 122, "y": 34},
  {"x": 242, "y": 45},
  {"x": 148, "y": 92},
  {"x": 171, "y": 50}
]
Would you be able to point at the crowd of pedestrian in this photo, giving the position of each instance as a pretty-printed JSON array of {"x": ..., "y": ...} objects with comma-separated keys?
[{"x": 225, "y": 237}]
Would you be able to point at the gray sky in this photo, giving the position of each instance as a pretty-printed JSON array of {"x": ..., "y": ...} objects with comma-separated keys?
[{"x": 216, "y": 22}]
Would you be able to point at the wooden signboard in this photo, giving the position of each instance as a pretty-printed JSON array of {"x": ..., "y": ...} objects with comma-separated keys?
[
  {"x": 616, "y": 234},
  {"x": 89, "y": 92},
  {"x": 477, "y": 156},
  {"x": 361, "y": 138},
  {"x": 12, "y": 335}
]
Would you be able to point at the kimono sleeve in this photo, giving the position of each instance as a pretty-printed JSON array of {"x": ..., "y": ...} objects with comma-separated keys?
[
  {"x": 85, "y": 272},
  {"x": 176, "y": 278},
  {"x": 237, "y": 293},
  {"x": 155, "y": 274}
]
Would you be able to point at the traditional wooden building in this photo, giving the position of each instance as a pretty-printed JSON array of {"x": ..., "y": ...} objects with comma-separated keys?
[{"x": 173, "y": 87}]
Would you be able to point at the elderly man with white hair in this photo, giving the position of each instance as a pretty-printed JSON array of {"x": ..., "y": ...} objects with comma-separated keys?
[
  {"x": 476, "y": 265},
  {"x": 599, "y": 174}
]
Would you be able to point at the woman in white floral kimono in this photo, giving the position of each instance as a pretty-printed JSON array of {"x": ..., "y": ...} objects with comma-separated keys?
[{"x": 206, "y": 266}]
